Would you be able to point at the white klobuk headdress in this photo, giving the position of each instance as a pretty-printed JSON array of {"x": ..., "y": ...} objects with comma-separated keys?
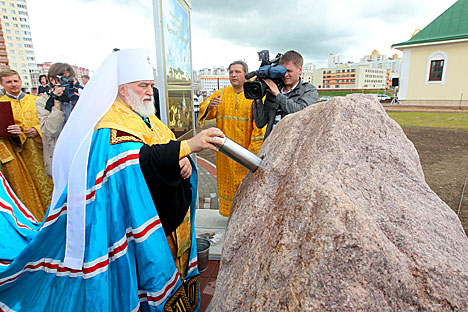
[{"x": 70, "y": 161}]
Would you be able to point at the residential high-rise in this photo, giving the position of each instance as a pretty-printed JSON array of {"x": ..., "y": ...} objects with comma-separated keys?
[
  {"x": 211, "y": 83},
  {"x": 4, "y": 63},
  {"x": 18, "y": 41},
  {"x": 377, "y": 60},
  {"x": 334, "y": 59},
  {"x": 375, "y": 56}
]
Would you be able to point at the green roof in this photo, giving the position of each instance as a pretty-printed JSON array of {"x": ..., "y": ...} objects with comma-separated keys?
[{"x": 450, "y": 25}]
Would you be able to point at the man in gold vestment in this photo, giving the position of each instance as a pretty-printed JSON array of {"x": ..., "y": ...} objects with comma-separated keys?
[
  {"x": 233, "y": 113},
  {"x": 21, "y": 154}
]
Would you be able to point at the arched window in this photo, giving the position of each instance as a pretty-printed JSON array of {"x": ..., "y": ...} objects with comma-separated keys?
[{"x": 436, "y": 68}]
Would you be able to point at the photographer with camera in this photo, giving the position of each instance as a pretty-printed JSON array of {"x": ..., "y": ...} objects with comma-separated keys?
[
  {"x": 54, "y": 107},
  {"x": 289, "y": 96}
]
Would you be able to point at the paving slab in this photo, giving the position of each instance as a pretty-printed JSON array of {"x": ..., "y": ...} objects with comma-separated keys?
[{"x": 210, "y": 221}]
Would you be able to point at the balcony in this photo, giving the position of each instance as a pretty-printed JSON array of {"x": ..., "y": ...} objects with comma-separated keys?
[{"x": 3, "y": 54}]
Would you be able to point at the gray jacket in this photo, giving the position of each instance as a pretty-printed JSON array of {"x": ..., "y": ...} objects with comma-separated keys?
[
  {"x": 302, "y": 96},
  {"x": 52, "y": 123}
]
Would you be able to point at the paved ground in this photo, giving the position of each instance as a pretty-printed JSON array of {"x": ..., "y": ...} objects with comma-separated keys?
[
  {"x": 208, "y": 220},
  {"x": 207, "y": 190}
]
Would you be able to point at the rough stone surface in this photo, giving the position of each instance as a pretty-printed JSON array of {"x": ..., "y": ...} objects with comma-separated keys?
[{"x": 340, "y": 218}]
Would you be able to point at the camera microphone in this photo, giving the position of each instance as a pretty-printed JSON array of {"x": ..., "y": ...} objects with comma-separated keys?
[{"x": 250, "y": 75}]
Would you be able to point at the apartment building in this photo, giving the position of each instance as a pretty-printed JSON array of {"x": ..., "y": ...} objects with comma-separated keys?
[
  {"x": 211, "y": 83},
  {"x": 308, "y": 72},
  {"x": 4, "y": 63},
  {"x": 377, "y": 60},
  {"x": 18, "y": 41},
  {"x": 346, "y": 76},
  {"x": 334, "y": 59}
]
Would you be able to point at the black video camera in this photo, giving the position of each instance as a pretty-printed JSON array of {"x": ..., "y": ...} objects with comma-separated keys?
[
  {"x": 66, "y": 82},
  {"x": 69, "y": 94},
  {"x": 256, "y": 90}
]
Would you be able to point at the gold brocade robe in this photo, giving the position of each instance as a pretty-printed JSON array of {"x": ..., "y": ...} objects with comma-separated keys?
[
  {"x": 121, "y": 117},
  {"x": 21, "y": 159},
  {"x": 234, "y": 117}
]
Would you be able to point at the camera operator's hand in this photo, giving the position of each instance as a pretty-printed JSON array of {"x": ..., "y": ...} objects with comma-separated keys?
[
  {"x": 214, "y": 102},
  {"x": 272, "y": 87},
  {"x": 206, "y": 140},
  {"x": 58, "y": 91}
]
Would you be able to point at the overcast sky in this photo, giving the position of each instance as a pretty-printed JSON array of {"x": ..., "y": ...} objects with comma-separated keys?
[{"x": 83, "y": 32}]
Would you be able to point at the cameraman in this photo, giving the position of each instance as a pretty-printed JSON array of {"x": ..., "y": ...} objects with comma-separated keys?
[
  {"x": 293, "y": 96},
  {"x": 54, "y": 108}
]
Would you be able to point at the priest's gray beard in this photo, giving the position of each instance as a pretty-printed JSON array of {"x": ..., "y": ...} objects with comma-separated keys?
[{"x": 145, "y": 109}]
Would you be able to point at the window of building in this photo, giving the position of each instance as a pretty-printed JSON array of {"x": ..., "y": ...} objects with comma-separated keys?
[
  {"x": 7, "y": 24},
  {"x": 19, "y": 45},
  {"x": 18, "y": 38},
  {"x": 2, "y": 3},
  {"x": 5, "y": 17},
  {"x": 10, "y": 45},
  {"x": 9, "y": 37},
  {"x": 13, "y": 11},
  {"x": 436, "y": 68},
  {"x": 15, "y": 19},
  {"x": 435, "y": 73},
  {"x": 17, "y": 32},
  {"x": 12, "y": 5},
  {"x": 8, "y": 31}
]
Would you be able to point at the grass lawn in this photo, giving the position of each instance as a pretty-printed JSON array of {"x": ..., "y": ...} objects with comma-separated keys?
[{"x": 432, "y": 120}]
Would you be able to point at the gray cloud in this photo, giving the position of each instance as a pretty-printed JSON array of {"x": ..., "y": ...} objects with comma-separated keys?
[{"x": 314, "y": 28}]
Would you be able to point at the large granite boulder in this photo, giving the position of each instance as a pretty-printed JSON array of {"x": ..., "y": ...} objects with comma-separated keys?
[{"x": 339, "y": 218}]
